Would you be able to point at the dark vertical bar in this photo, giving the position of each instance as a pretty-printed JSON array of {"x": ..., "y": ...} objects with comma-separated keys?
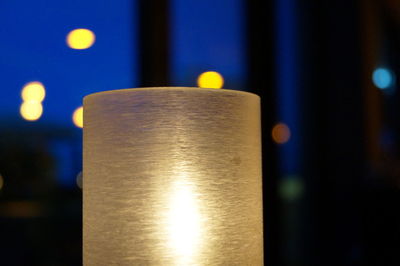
[
  {"x": 290, "y": 92},
  {"x": 260, "y": 21},
  {"x": 371, "y": 48},
  {"x": 334, "y": 138},
  {"x": 154, "y": 42}
]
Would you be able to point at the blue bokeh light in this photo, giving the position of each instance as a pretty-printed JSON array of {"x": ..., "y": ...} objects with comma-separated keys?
[{"x": 382, "y": 78}]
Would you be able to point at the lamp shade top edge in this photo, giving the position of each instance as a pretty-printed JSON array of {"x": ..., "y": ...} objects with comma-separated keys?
[{"x": 133, "y": 90}]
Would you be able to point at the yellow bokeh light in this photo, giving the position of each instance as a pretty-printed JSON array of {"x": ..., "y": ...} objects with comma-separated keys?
[
  {"x": 80, "y": 39},
  {"x": 31, "y": 110},
  {"x": 77, "y": 117},
  {"x": 210, "y": 79},
  {"x": 281, "y": 133},
  {"x": 33, "y": 91}
]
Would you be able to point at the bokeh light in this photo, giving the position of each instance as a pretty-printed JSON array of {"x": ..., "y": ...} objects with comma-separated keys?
[
  {"x": 281, "y": 133},
  {"x": 33, "y": 91},
  {"x": 210, "y": 79},
  {"x": 80, "y": 39},
  {"x": 77, "y": 117},
  {"x": 1, "y": 182},
  {"x": 291, "y": 188},
  {"x": 382, "y": 78},
  {"x": 31, "y": 110},
  {"x": 79, "y": 180}
]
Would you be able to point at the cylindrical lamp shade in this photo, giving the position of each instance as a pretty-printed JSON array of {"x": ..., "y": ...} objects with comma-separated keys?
[{"x": 172, "y": 176}]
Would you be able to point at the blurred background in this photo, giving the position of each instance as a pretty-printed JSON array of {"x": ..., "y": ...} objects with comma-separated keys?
[{"x": 325, "y": 70}]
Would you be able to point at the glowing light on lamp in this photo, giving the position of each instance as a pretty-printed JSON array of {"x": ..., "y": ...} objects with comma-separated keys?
[
  {"x": 158, "y": 190},
  {"x": 31, "y": 110},
  {"x": 77, "y": 117},
  {"x": 383, "y": 78},
  {"x": 210, "y": 79},
  {"x": 281, "y": 133},
  {"x": 33, "y": 91},
  {"x": 183, "y": 223},
  {"x": 80, "y": 39}
]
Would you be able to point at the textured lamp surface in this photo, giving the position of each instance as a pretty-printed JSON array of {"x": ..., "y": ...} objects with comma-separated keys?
[{"x": 172, "y": 176}]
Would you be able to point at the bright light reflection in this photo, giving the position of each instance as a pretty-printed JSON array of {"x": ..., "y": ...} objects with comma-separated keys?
[
  {"x": 77, "y": 117},
  {"x": 31, "y": 110},
  {"x": 33, "y": 91},
  {"x": 184, "y": 225},
  {"x": 210, "y": 79},
  {"x": 80, "y": 39}
]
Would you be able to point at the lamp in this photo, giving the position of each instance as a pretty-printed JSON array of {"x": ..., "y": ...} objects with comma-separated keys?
[{"x": 172, "y": 176}]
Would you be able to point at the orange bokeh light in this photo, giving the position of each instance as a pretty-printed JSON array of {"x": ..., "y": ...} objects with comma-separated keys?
[{"x": 281, "y": 133}]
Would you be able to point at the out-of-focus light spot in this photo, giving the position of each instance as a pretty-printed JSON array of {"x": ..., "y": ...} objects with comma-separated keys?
[
  {"x": 280, "y": 133},
  {"x": 77, "y": 117},
  {"x": 291, "y": 188},
  {"x": 80, "y": 39},
  {"x": 21, "y": 209},
  {"x": 31, "y": 110},
  {"x": 210, "y": 79},
  {"x": 33, "y": 91},
  {"x": 1, "y": 182},
  {"x": 382, "y": 78},
  {"x": 79, "y": 180}
]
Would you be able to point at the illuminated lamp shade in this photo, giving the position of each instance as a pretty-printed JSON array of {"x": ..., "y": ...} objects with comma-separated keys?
[{"x": 172, "y": 176}]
